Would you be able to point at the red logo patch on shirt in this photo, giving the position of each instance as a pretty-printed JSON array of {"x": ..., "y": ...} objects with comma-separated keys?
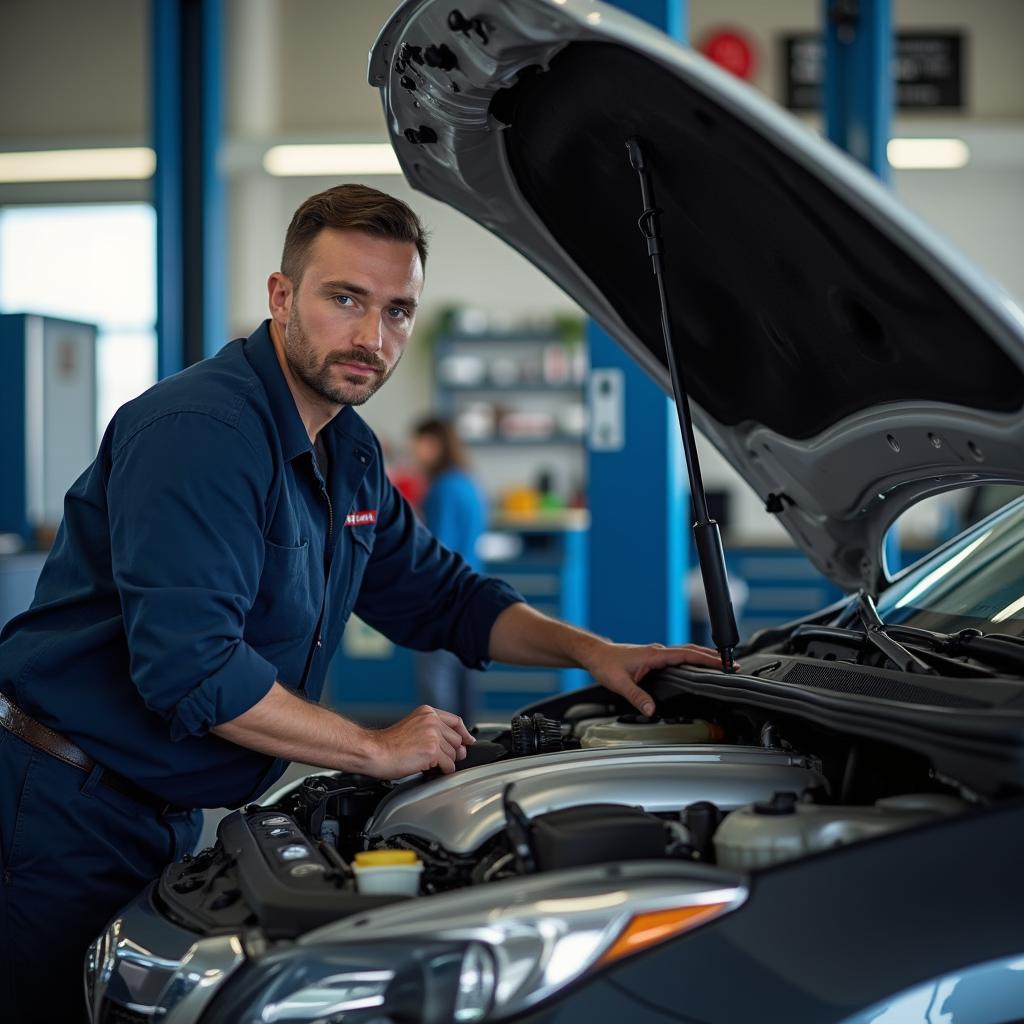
[{"x": 361, "y": 518}]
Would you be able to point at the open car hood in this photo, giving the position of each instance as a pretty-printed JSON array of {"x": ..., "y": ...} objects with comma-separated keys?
[{"x": 841, "y": 357}]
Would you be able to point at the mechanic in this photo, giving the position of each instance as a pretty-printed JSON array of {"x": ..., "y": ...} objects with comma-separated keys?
[{"x": 236, "y": 515}]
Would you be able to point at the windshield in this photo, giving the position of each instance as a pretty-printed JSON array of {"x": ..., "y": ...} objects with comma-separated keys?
[{"x": 977, "y": 581}]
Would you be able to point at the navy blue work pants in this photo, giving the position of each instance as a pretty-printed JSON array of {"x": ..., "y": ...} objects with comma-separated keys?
[{"x": 72, "y": 853}]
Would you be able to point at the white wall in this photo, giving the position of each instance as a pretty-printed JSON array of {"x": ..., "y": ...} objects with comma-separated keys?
[
  {"x": 73, "y": 70},
  {"x": 979, "y": 209}
]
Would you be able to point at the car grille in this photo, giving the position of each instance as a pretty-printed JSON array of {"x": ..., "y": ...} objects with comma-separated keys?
[
  {"x": 114, "y": 1013},
  {"x": 865, "y": 684}
]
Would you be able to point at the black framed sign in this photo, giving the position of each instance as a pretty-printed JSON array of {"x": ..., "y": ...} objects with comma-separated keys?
[{"x": 928, "y": 68}]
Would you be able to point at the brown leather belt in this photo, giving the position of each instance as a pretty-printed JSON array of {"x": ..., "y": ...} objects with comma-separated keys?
[{"x": 14, "y": 720}]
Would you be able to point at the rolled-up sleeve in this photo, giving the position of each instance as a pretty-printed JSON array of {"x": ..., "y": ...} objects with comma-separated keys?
[
  {"x": 187, "y": 508},
  {"x": 422, "y": 595}
]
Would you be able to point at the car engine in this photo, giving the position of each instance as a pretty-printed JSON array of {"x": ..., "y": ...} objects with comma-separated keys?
[{"x": 597, "y": 784}]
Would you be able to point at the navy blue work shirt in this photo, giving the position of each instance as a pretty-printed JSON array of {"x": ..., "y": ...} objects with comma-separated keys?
[{"x": 202, "y": 557}]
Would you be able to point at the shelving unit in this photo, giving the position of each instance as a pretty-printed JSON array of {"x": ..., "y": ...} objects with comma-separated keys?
[
  {"x": 518, "y": 400},
  {"x": 549, "y": 380},
  {"x": 523, "y": 442}
]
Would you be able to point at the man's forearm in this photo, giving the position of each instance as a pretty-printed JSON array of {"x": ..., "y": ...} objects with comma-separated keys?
[
  {"x": 521, "y": 635},
  {"x": 284, "y": 725}
]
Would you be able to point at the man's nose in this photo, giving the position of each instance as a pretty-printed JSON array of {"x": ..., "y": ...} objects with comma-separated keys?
[{"x": 370, "y": 333}]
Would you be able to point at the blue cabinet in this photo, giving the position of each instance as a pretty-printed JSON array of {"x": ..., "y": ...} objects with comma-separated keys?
[
  {"x": 781, "y": 585},
  {"x": 47, "y": 419},
  {"x": 550, "y": 571}
]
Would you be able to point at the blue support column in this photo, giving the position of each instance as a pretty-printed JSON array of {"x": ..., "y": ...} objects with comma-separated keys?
[
  {"x": 167, "y": 184},
  {"x": 858, "y": 98},
  {"x": 858, "y": 79},
  {"x": 639, "y": 535},
  {"x": 188, "y": 188},
  {"x": 214, "y": 223}
]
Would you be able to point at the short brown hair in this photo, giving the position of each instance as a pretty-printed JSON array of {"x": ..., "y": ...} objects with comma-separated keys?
[{"x": 352, "y": 207}]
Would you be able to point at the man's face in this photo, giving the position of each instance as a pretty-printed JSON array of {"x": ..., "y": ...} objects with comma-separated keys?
[{"x": 352, "y": 315}]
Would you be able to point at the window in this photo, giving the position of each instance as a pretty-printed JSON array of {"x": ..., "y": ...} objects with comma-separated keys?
[{"x": 95, "y": 263}]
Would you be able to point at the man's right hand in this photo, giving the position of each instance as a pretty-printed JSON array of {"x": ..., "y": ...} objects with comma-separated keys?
[
  {"x": 284, "y": 725},
  {"x": 426, "y": 738}
]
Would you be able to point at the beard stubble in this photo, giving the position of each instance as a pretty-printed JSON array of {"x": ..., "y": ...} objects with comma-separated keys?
[{"x": 319, "y": 377}]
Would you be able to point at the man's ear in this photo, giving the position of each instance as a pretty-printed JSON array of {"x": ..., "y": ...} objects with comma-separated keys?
[{"x": 279, "y": 296}]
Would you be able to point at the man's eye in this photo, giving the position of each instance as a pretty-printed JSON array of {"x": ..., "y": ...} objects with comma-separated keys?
[
  {"x": 341, "y": 300},
  {"x": 398, "y": 313}
]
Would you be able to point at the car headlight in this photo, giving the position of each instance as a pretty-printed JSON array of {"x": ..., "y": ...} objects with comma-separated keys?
[
  {"x": 99, "y": 962},
  {"x": 432, "y": 982},
  {"x": 501, "y": 949},
  {"x": 91, "y": 971}
]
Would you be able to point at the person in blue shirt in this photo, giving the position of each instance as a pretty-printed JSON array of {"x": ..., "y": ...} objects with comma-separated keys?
[
  {"x": 235, "y": 516},
  {"x": 455, "y": 511}
]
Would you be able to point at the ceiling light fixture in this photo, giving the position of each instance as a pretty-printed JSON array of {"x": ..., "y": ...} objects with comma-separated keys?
[
  {"x": 121, "y": 164},
  {"x": 341, "y": 159},
  {"x": 927, "y": 154}
]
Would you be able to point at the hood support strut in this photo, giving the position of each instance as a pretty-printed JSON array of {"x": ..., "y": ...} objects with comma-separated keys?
[{"x": 706, "y": 534}]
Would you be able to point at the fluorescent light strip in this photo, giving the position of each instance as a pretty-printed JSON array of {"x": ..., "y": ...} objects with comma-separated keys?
[
  {"x": 125, "y": 164},
  {"x": 927, "y": 154},
  {"x": 333, "y": 160}
]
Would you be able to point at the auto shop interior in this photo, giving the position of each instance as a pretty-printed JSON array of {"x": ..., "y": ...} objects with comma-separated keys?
[{"x": 716, "y": 363}]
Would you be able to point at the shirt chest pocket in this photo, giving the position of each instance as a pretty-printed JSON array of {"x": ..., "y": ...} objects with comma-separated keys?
[{"x": 287, "y": 604}]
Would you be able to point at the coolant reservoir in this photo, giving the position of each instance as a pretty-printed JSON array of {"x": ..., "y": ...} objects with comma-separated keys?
[
  {"x": 390, "y": 872},
  {"x": 632, "y": 731},
  {"x": 783, "y": 828}
]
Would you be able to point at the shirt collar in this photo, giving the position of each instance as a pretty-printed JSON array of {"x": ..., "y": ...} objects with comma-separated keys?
[
  {"x": 262, "y": 357},
  {"x": 259, "y": 350}
]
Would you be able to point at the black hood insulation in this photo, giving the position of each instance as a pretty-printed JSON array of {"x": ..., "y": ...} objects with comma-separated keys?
[{"x": 789, "y": 308}]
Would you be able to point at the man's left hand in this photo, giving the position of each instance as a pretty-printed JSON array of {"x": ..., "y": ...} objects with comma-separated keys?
[{"x": 620, "y": 667}]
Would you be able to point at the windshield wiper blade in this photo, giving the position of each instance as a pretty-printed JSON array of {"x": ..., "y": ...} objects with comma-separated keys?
[
  {"x": 936, "y": 646},
  {"x": 1000, "y": 650},
  {"x": 875, "y": 633}
]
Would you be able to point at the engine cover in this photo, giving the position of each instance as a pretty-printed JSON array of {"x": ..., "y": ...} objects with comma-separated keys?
[{"x": 464, "y": 810}]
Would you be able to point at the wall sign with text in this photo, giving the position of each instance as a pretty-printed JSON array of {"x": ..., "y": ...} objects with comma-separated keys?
[{"x": 928, "y": 70}]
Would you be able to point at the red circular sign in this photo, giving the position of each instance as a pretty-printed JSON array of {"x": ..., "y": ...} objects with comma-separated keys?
[{"x": 732, "y": 50}]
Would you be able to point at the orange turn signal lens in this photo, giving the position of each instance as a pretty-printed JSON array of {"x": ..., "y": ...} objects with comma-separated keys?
[{"x": 648, "y": 929}]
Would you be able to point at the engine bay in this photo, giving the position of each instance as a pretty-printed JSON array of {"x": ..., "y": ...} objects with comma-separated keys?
[{"x": 571, "y": 784}]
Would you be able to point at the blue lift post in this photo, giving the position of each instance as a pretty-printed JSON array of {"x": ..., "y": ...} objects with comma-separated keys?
[
  {"x": 639, "y": 536},
  {"x": 858, "y": 99},
  {"x": 858, "y": 91},
  {"x": 188, "y": 187}
]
